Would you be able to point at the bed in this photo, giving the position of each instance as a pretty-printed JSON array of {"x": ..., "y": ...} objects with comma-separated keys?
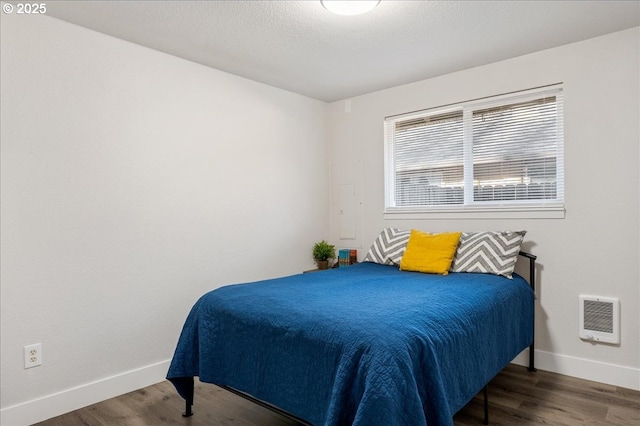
[{"x": 365, "y": 344}]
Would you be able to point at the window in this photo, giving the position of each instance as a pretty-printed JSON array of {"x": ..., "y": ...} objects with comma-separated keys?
[{"x": 489, "y": 156}]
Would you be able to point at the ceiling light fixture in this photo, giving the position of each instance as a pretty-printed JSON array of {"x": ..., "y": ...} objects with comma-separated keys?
[{"x": 353, "y": 7}]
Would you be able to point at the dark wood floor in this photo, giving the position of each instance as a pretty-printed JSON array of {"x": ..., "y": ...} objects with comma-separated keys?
[{"x": 516, "y": 397}]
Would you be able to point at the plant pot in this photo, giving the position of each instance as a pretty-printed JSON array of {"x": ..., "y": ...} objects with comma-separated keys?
[{"x": 322, "y": 264}]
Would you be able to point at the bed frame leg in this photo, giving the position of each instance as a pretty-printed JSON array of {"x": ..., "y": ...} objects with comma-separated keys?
[
  {"x": 532, "y": 277},
  {"x": 486, "y": 405},
  {"x": 188, "y": 412},
  {"x": 532, "y": 366}
]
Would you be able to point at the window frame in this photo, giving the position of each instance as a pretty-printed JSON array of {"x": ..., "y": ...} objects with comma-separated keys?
[{"x": 501, "y": 209}]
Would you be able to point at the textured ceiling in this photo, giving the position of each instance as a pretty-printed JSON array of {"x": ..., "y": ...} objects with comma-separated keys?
[{"x": 301, "y": 47}]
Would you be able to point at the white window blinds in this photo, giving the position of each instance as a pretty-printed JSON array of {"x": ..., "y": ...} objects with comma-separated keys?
[{"x": 491, "y": 153}]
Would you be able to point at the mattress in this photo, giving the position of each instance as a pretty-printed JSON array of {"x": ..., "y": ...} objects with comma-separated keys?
[{"x": 366, "y": 344}]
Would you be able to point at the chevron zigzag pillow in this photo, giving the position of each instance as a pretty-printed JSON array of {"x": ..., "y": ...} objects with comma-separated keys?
[
  {"x": 389, "y": 247},
  {"x": 488, "y": 252}
]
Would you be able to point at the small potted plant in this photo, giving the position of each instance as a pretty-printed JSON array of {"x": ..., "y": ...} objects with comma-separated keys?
[{"x": 322, "y": 252}]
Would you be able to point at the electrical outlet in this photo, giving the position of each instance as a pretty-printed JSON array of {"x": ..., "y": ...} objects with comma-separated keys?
[{"x": 33, "y": 355}]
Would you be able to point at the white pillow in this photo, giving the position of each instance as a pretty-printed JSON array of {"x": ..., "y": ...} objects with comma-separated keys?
[
  {"x": 389, "y": 247},
  {"x": 488, "y": 252}
]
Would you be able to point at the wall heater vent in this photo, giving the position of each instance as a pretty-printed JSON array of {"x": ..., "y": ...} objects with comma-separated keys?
[{"x": 600, "y": 319}]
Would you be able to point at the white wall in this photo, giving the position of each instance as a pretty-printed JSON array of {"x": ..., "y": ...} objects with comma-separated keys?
[
  {"x": 132, "y": 183},
  {"x": 596, "y": 248}
]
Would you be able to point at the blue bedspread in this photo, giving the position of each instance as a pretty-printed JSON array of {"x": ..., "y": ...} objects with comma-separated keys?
[{"x": 363, "y": 345}]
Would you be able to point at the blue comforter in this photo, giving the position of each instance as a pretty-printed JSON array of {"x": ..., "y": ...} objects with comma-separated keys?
[{"x": 363, "y": 345}]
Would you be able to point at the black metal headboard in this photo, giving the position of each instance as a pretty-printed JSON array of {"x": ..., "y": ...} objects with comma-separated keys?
[
  {"x": 532, "y": 268},
  {"x": 532, "y": 282}
]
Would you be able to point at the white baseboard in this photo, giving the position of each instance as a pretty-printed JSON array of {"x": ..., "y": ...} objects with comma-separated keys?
[
  {"x": 71, "y": 399},
  {"x": 611, "y": 374},
  {"x": 68, "y": 400}
]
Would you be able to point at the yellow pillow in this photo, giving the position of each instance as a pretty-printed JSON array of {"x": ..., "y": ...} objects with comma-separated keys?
[{"x": 430, "y": 253}]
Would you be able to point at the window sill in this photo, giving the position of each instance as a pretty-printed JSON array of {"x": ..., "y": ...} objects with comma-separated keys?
[{"x": 484, "y": 212}]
